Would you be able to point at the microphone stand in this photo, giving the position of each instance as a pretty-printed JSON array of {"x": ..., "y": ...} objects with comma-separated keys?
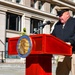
[
  {"x": 40, "y": 28},
  {"x": 39, "y": 31}
]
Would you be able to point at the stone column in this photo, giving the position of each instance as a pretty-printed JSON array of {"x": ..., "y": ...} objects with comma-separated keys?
[
  {"x": 23, "y": 23},
  {"x": 54, "y": 11},
  {"x": 22, "y": 2},
  {"x": 13, "y": 0},
  {"x": 36, "y": 5},
  {"x": 46, "y": 28},
  {"x": 27, "y": 24},
  {"x": 46, "y": 7},
  {"x": 2, "y": 33},
  {"x": 27, "y": 3},
  {"x": 71, "y": 13}
]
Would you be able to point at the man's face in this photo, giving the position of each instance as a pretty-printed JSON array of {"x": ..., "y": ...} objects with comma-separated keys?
[{"x": 64, "y": 17}]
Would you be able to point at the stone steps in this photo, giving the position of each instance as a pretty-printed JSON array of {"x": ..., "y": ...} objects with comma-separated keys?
[{"x": 12, "y": 65}]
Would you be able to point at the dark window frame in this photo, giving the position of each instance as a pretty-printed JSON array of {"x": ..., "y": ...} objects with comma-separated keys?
[
  {"x": 40, "y": 4},
  {"x": 18, "y": 1},
  {"x": 13, "y": 22},
  {"x": 34, "y": 25}
]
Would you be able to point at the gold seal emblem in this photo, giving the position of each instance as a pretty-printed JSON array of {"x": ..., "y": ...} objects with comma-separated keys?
[{"x": 23, "y": 46}]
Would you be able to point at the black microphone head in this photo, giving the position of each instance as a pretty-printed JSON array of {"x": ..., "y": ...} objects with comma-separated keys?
[{"x": 48, "y": 22}]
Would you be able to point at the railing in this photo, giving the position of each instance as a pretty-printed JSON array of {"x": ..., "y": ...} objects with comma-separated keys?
[
  {"x": 11, "y": 56},
  {"x": 4, "y": 55}
]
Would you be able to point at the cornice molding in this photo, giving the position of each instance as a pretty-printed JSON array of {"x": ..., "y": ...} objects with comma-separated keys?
[
  {"x": 62, "y": 3},
  {"x": 69, "y": 2},
  {"x": 24, "y": 8},
  {"x": 65, "y": 4}
]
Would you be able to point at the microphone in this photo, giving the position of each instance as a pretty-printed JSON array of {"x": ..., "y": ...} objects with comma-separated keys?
[{"x": 47, "y": 23}]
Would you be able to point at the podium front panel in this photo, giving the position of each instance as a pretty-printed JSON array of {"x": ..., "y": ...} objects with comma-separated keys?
[
  {"x": 48, "y": 44},
  {"x": 12, "y": 44},
  {"x": 42, "y": 44},
  {"x": 57, "y": 46}
]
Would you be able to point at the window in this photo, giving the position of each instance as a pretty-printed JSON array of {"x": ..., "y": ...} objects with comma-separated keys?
[
  {"x": 40, "y": 4},
  {"x": 34, "y": 25},
  {"x": 13, "y": 22},
  {"x": 18, "y": 1},
  {"x": 33, "y": 3},
  {"x": 73, "y": 13},
  {"x": 51, "y": 7}
]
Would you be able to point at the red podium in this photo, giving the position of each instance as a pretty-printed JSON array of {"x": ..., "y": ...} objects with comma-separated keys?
[{"x": 39, "y": 61}]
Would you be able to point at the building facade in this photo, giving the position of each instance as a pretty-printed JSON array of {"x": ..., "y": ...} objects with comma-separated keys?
[{"x": 18, "y": 14}]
